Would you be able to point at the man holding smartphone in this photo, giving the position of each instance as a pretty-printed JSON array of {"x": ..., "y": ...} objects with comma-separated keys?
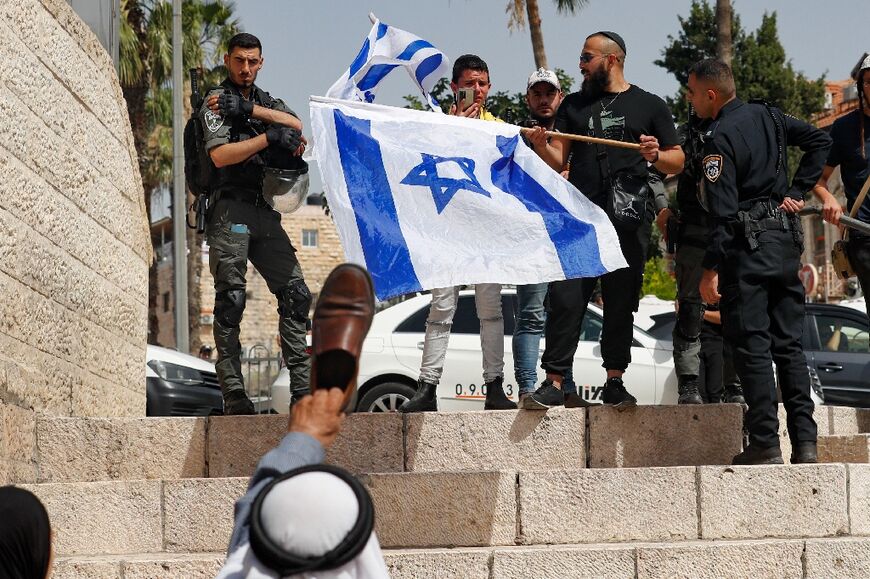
[{"x": 470, "y": 85}]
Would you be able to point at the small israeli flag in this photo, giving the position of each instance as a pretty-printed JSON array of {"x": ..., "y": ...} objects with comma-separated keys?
[
  {"x": 427, "y": 201},
  {"x": 385, "y": 49}
]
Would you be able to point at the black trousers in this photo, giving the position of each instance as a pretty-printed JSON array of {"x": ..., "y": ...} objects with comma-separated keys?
[
  {"x": 859, "y": 257},
  {"x": 620, "y": 290},
  {"x": 762, "y": 313}
]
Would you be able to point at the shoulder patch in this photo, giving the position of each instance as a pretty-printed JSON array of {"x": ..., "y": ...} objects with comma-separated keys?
[
  {"x": 712, "y": 167},
  {"x": 213, "y": 121}
]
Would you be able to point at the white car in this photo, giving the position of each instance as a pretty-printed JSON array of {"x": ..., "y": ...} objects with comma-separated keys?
[
  {"x": 390, "y": 362},
  {"x": 179, "y": 384}
]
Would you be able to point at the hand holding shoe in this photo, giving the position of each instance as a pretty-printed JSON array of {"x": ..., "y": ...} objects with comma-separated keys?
[{"x": 319, "y": 415}]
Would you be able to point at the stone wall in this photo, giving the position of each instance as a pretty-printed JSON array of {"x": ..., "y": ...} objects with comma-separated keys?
[{"x": 75, "y": 244}]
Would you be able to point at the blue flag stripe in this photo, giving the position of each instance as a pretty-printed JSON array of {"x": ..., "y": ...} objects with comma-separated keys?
[
  {"x": 360, "y": 59},
  {"x": 387, "y": 256},
  {"x": 382, "y": 30},
  {"x": 426, "y": 67},
  {"x": 576, "y": 241},
  {"x": 377, "y": 72}
]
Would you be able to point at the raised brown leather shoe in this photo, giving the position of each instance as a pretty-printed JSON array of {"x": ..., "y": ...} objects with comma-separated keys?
[{"x": 342, "y": 318}]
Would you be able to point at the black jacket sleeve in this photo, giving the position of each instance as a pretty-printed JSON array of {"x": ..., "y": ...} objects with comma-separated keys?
[
  {"x": 720, "y": 189},
  {"x": 815, "y": 143}
]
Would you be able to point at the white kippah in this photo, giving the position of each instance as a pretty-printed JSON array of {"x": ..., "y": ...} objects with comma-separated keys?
[{"x": 309, "y": 514}]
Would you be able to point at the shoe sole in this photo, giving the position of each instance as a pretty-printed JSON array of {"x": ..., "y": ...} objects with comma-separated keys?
[
  {"x": 769, "y": 461},
  {"x": 532, "y": 404},
  {"x": 624, "y": 405}
]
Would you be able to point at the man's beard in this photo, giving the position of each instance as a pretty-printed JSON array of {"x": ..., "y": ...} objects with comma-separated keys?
[{"x": 595, "y": 85}]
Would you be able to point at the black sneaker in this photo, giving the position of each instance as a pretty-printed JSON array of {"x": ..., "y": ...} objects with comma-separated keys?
[
  {"x": 236, "y": 403},
  {"x": 804, "y": 453},
  {"x": 687, "y": 389},
  {"x": 616, "y": 395},
  {"x": 754, "y": 455},
  {"x": 547, "y": 396},
  {"x": 734, "y": 394},
  {"x": 496, "y": 398}
]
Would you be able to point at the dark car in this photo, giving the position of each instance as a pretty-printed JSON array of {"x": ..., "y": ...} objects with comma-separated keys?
[
  {"x": 836, "y": 342},
  {"x": 178, "y": 384}
]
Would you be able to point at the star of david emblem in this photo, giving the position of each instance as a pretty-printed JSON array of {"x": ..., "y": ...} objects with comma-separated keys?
[{"x": 444, "y": 188}]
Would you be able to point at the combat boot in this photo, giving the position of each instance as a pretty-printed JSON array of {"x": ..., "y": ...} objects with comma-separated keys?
[
  {"x": 496, "y": 398},
  {"x": 734, "y": 394},
  {"x": 687, "y": 387},
  {"x": 236, "y": 402},
  {"x": 425, "y": 399},
  {"x": 755, "y": 455},
  {"x": 804, "y": 453}
]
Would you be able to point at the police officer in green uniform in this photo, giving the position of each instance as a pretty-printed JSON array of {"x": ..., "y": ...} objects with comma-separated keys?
[
  {"x": 246, "y": 133},
  {"x": 754, "y": 253},
  {"x": 687, "y": 232}
]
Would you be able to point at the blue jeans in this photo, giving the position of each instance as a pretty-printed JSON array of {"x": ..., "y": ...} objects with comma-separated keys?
[{"x": 530, "y": 317}]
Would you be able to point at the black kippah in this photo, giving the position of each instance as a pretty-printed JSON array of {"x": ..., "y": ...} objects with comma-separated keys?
[{"x": 614, "y": 37}]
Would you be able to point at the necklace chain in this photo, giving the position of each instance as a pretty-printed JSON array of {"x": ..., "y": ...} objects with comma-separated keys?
[{"x": 606, "y": 109}]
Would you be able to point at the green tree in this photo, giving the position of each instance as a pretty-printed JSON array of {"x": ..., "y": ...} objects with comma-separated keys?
[
  {"x": 657, "y": 280},
  {"x": 145, "y": 74},
  {"x": 761, "y": 69},
  {"x": 521, "y": 11}
]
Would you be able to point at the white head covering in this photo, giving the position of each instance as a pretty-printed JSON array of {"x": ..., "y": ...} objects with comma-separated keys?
[{"x": 308, "y": 515}]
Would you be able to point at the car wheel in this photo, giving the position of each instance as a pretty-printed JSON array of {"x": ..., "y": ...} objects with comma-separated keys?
[{"x": 385, "y": 397}]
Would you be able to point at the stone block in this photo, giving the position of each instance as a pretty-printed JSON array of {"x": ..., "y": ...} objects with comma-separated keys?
[
  {"x": 845, "y": 448},
  {"x": 447, "y": 509},
  {"x": 564, "y": 562},
  {"x": 844, "y": 558},
  {"x": 366, "y": 443},
  {"x": 753, "y": 502},
  {"x": 92, "y": 449},
  {"x": 438, "y": 563},
  {"x": 664, "y": 435},
  {"x": 509, "y": 440},
  {"x": 859, "y": 498},
  {"x": 103, "y": 517},
  {"x": 714, "y": 559},
  {"x": 369, "y": 442},
  {"x": 607, "y": 505},
  {"x": 831, "y": 421},
  {"x": 18, "y": 437},
  {"x": 199, "y": 513},
  {"x": 188, "y": 566},
  {"x": 87, "y": 568}
]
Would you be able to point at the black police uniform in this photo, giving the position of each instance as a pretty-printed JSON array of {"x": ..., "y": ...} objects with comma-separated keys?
[
  {"x": 691, "y": 238},
  {"x": 241, "y": 227},
  {"x": 756, "y": 248}
]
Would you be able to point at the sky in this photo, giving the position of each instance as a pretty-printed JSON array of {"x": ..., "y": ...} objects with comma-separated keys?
[{"x": 307, "y": 45}]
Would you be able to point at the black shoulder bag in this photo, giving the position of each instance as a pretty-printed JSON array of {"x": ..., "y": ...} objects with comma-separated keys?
[{"x": 627, "y": 194}]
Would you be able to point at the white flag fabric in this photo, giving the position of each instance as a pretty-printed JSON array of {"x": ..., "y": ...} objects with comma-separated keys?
[
  {"x": 385, "y": 49},
  {"x": 426, "y": 201}
]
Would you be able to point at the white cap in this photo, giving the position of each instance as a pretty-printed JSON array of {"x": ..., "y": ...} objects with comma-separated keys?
[
  {"x": 863, "y": 64},
  {"x": 544, "y": 75}
]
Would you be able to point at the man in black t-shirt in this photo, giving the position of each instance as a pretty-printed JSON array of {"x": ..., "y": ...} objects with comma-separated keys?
[
  {"x": 627, "y": 113},
  {"x": 851, "y": 135}
]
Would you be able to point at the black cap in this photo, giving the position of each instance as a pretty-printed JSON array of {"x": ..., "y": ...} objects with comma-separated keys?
[{"x": 614, "y": 37}]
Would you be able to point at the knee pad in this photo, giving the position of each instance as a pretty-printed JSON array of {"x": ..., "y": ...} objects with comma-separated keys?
[
  {"x": 689, "y": 320},
  {"x": 229, "y": 305},
  {"x": 294, "y": 301}
]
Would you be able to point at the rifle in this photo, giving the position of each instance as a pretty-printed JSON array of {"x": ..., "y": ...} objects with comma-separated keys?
[
  {"x": 200, "y": 204},
  {"x": 845, "y": 220}
]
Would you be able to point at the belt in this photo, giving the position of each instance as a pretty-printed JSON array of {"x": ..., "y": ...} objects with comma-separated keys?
[
  {"x": 243, "y": 196},
  {"x": 774, "y": 223}
]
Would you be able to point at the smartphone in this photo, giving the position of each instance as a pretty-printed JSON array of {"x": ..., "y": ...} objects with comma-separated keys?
[{"x": 464, "y": 98}]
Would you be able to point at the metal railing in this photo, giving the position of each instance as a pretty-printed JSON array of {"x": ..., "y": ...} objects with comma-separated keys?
[{"x": 260, "y": 368}]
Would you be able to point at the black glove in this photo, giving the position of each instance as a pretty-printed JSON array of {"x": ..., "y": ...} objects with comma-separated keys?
[
  {"x": 284, "y": 137},
  {"x": 232, "y": 105}
]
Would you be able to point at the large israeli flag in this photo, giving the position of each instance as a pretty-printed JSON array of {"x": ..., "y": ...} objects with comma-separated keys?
[
  {"x": 426, "y": 201},
  {"x": 385, "y": 49}
]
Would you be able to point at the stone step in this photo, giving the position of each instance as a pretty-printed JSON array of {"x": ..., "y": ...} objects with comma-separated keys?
[
  {"x": 498, "y": 508},
  {"x": 846, "y": 558},
  {"x": 93, "y": 449},
  {"x": 845, "y": 448}
]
